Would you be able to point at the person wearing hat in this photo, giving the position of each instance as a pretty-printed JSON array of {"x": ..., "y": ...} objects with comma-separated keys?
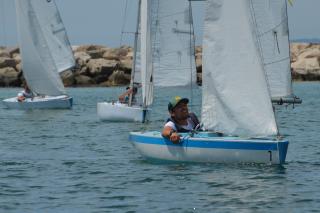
[
  {"x": 124, "y": 98},
  {"x": 180, "y": 119}
]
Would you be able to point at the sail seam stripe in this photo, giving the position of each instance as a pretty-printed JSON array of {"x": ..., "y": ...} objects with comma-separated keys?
[
  {"x": 276, "y": 26},
  {"x": 253, "y": 14}
]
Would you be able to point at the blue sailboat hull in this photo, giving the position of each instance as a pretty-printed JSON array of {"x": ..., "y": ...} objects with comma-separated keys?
[{"x": 210, "y": 147}]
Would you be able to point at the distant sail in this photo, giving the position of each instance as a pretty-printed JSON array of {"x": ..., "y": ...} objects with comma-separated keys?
[
  {"x": 173, "y": 43},
  {"x": 146, "y": 54},
  {"x": 271, "y": 23},
  {"x": 236, "y": 98},
  {"x": 137, "y": 65},
  {"x": 44, "y": 46}
]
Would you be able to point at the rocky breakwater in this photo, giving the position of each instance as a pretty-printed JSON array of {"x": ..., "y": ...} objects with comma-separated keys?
[
  {"x": 305, "y": 61},
  {"x": 103, "y": 66},
  {"x": 100, "y": 66},
  {"x": 95, "y": 66},
  {"x": 10, "y": 68}
]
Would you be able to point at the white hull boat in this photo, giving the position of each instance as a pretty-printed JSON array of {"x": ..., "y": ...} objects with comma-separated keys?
[
  {"x": 39, "y": 102},
  {"x": 208, "y": 147},
  {"x": 45, "y": 53},
  {"x": 242, "y": 72},
  {"x": 121, "y": 112},
  {"x": 141, "y": 76}
]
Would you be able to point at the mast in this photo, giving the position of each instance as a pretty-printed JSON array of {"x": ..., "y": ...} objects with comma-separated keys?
[
  {"x": 135, "y": 53},
  {"x": 146, "y": 56},
  {"x": 146, "y": 53},
  {"x": 192, "y": 51}
]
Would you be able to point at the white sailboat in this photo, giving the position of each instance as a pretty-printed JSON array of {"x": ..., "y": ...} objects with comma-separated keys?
[
  {"x": 45, "y": 52},
  {"x": 141, "y": 74},
  {"x": 164, "y": 46},
  {"x": 271, "y": 23},
  {"x": 240, "y": 78}
]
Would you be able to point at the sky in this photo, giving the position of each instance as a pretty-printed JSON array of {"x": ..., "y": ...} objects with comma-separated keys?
[{"x": 102, "y": 21}]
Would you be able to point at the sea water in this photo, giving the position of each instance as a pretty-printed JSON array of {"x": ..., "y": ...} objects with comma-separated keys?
[{"x": 69, "y": 161}]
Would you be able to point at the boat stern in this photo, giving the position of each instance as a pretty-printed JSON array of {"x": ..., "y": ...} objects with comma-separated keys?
[
  {"x": 283, "y": 148},
  {"x": 70, "y": 99}
]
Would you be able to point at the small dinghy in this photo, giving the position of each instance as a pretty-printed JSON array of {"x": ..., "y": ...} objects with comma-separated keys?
[
  {"x": 121, "y": 112},
  {"x": 141, "y": 76},
  {"x": 210, "y": 147},
  {"x": 45, "y": 53},
  {"x": 163, "y": 57},
  {"x": 47, "y": 102},
  {"x": 246, "y": 65}
]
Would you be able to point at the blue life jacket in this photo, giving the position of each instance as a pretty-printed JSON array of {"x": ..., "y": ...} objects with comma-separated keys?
[{"x": 179, "y": 128}]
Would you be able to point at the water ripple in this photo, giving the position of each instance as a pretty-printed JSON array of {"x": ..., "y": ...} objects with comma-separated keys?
[{"x": 69, "y": 161}]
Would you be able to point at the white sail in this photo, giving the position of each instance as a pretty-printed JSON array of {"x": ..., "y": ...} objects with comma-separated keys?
[
  {"x": 235, "y": 98},
  {"x": 137, "y": 63},
  {"x": 45, "y": 49},
  {"x": 173, "y": 43},
  {"x": 272, "y": 31},
  {"x": 146, "y": 54}
]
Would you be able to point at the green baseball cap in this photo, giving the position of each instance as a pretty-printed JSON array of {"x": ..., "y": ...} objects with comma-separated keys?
[{"x": 175, "y": 101}]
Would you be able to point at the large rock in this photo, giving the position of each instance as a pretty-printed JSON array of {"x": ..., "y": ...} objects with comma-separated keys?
[
  {"x": 94, "y": 54},
  {"x": 13, "y": 50},
  {"x": 118, "y": 77},
  {"x": 7, "y": 62},
  {"x": 100, "y": 79},
  {"x": 101, "y": 66},
  {"x": 19, "y": 67},
  {"x": 305, "y": 65},
  {"x": 82, "y": 80},
  {"x": 111, "y": 54},
  {"x": 126, "y": 65},
  {"x": 81, "y": 58},
  {"x": 4, "y": 53},
  {"x": 298, "y": 47},
  {"x": 309, "y": 53},
  {"x": 86, "y": 48},
  {"x": 124, "y": 51},
  {"x": 68, "y": 78},
  {"x": 17, "y": 58},
  {"x": 305, "y": 61},
  {"x": 9, "y": 77},
  {"x": 302, "y": 75},
  {"x": 83, "y": 71},
  {"x": 130, "y": 54}
]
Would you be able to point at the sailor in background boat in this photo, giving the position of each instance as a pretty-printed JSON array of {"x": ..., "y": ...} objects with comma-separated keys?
[
  {"x": 26, "y": 93},
  {"x": 124, "y": 98},
  {"x": 180, "y": 119}
]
